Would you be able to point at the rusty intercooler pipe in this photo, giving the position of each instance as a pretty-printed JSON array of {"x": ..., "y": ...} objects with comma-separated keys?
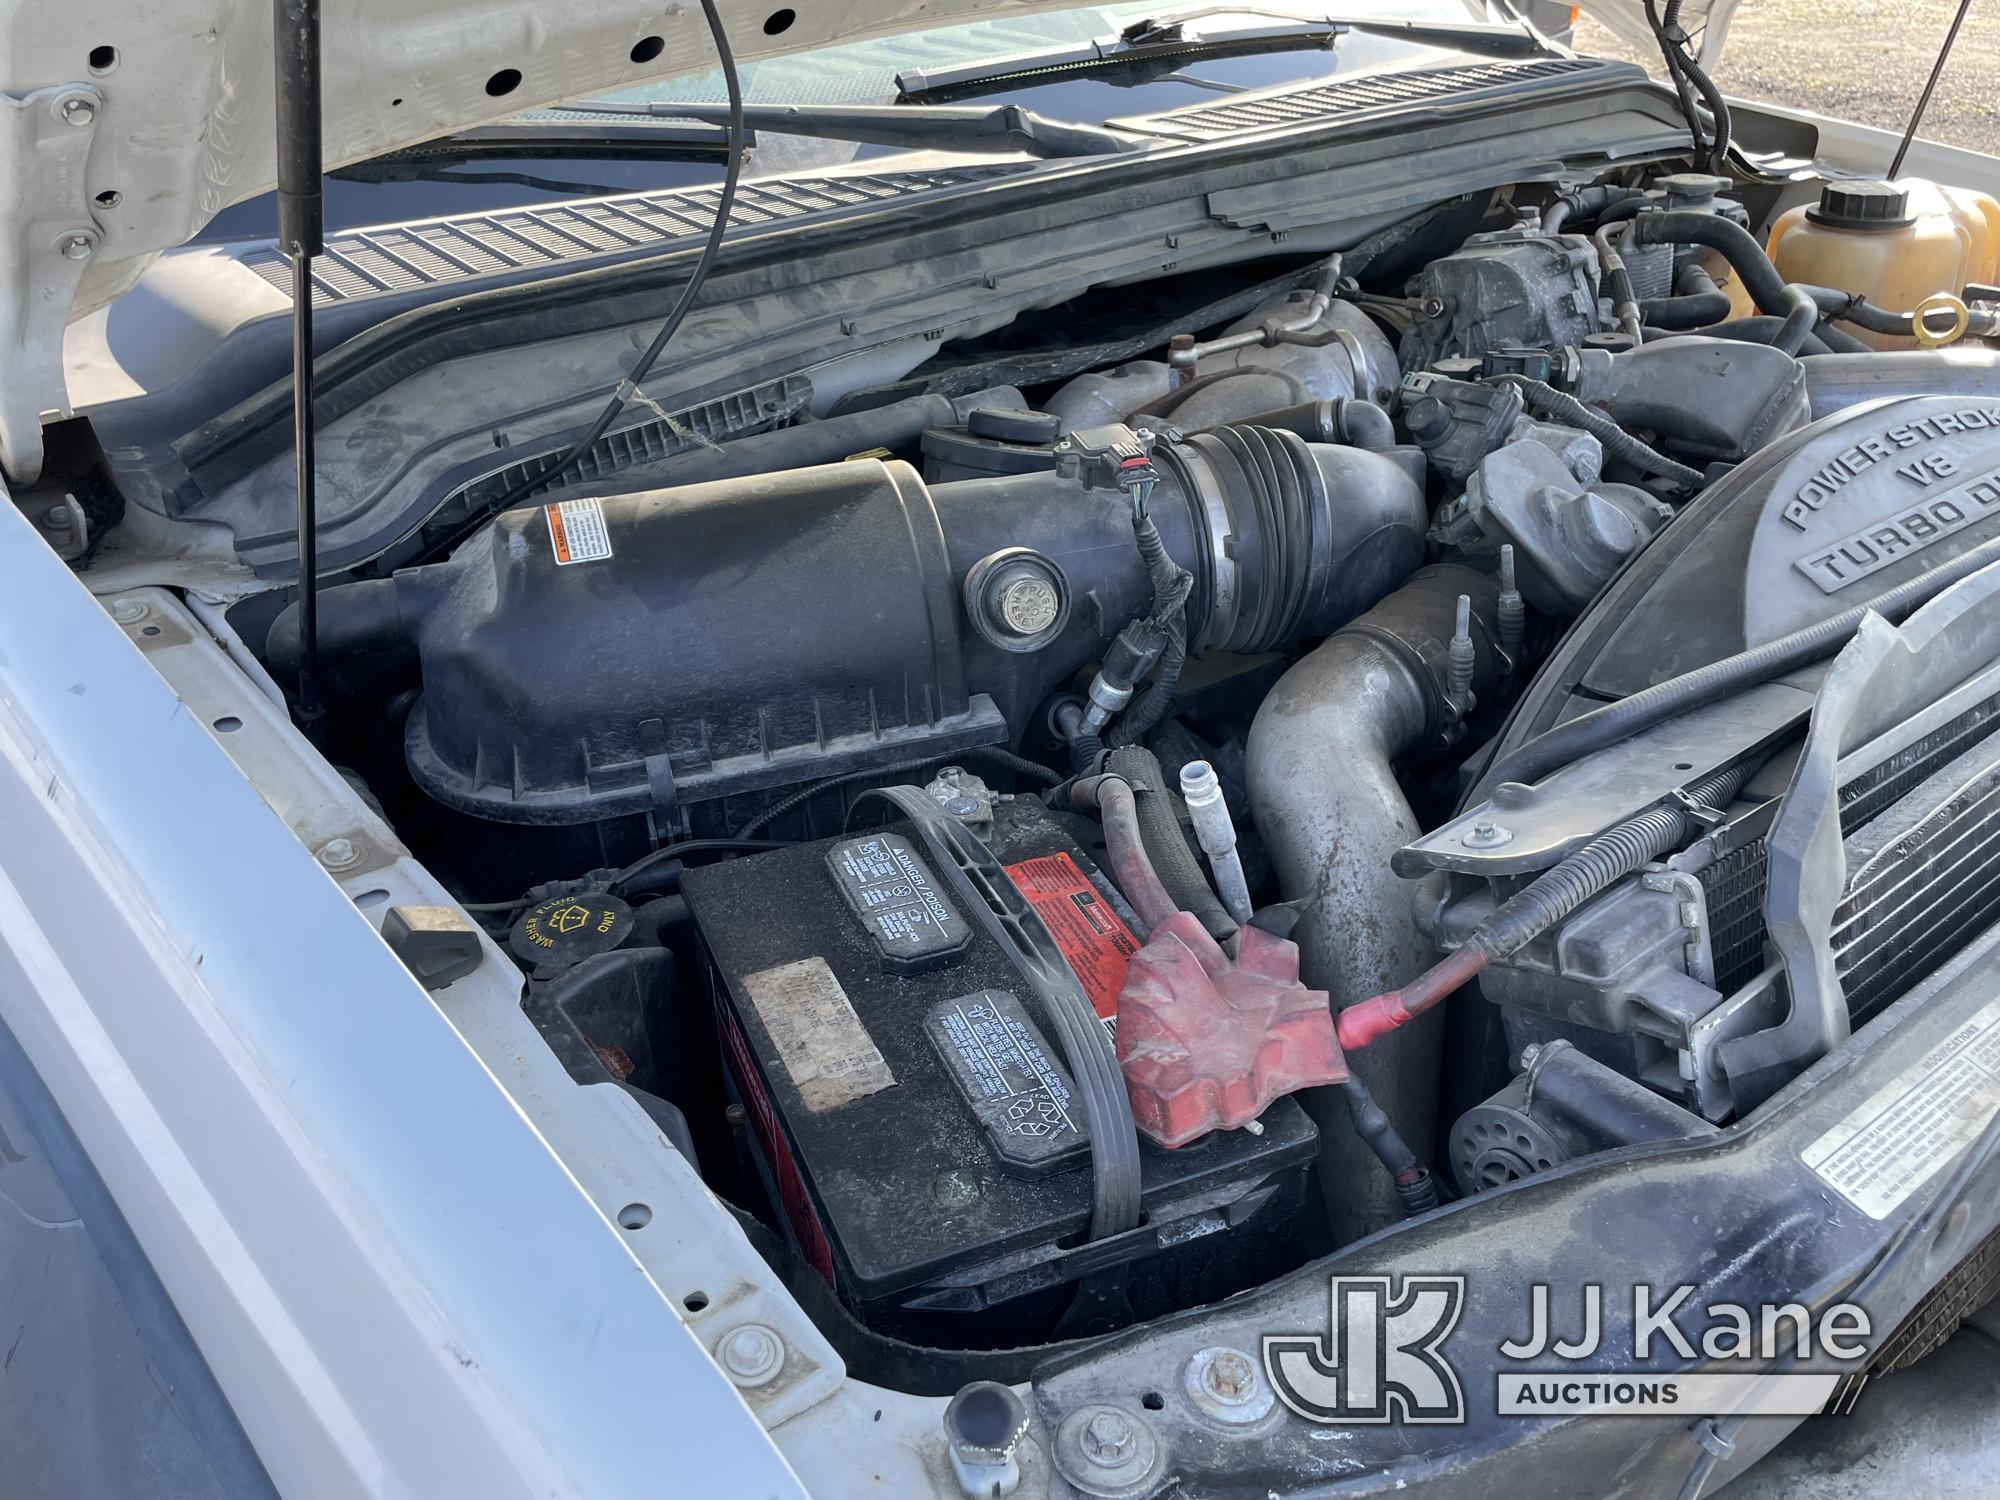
[{"x": 1323, "y": 791}]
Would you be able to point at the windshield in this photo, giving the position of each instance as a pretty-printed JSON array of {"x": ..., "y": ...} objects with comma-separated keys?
[{"x": 427, "y": 184}]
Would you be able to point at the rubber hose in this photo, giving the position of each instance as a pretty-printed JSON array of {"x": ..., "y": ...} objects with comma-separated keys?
[
  {"x": 1125, "y": 846},
  {"x": 1688, "y": 312},
  {"x": 1084, "y": 750},
  {"x": 1760, "y": 278},
  {"x": 1585, "y": 204},
  {"x": 1760, "y": 329},
  {"x": 1349, "y": 420},
  {"x": 1619, "y": 212},
  {"x": 1166, "y": 842},
  {"x": 1612, "y": 855},
  {"x": 1598, "y": 728},
  {"x": 1546, "y": 400},
  {"x": 1798, "y": 323},
  {"x": 1696, "y": 300}
]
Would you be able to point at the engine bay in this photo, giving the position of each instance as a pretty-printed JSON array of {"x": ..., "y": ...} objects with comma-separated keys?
[{"x": 1053, "y": 854}]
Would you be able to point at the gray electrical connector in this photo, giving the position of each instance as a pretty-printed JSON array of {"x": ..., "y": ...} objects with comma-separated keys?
[{"x": 1217, "y": 835}]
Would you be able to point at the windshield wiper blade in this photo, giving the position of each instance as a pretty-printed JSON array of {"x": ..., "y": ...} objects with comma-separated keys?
[
  {"x": 998, "y": 127},
  {"x": 532, "y": 139},
  {"x": 1215, "y": 31}
]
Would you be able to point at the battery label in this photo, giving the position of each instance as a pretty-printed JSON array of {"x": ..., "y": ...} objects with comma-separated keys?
[
  {"x": 1091, "y": 935},
  {"x": 827, "y": 1051},
  {"x": 577, "y": 531},
  {"x": 1019, "y": 1092},
  {"x": 908, "y": 918}
]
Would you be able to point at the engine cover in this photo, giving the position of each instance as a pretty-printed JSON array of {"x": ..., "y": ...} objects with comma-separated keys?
[{"x": 1821, "y": 520}]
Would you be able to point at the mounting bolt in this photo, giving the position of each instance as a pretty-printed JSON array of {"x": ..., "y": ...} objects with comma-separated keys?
[
  {"x": 1486, "y": 834},
  {"x": 1108, "y": 1439},
  {"x": 77, "y": 244},
  {"x": 1223, "y": 1383},
  {"x": 129, "y": 611},
  {"x": 1104, "y": 1450},
  {"x": 338, "y": 854},
  {"x": 1432, "y": 307},
  {"x": 751, "y": 1354},
  {"x": 78, "y": 110}
]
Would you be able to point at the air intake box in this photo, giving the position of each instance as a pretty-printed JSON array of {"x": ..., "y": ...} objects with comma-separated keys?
[{"x": 911, "y": 1111}]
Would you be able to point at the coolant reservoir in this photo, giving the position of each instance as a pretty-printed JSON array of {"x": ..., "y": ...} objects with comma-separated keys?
[{"x": 1896, "y": 243}]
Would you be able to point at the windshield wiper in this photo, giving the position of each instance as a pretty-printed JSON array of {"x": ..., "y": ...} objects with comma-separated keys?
[
  {"x": 998, "y": 127},
  {"x": 1216, "y": 31},
  {"x": 543, "y": 140}
]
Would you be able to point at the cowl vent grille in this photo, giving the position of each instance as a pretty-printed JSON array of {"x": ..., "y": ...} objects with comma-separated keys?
[{"x": 1354, "y": 96}]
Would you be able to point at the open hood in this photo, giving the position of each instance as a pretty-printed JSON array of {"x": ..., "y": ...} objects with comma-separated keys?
[{"x": 126, "y": 125}]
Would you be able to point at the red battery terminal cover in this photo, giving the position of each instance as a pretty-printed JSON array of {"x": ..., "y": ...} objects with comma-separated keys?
[{"x": 1207, "y": 1043}]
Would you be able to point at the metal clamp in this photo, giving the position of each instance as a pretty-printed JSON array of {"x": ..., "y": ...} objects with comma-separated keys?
[{"x": 1945, "y": 302}]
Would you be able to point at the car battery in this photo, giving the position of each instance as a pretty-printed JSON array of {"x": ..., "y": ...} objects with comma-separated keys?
[{"x": 914, "y": 1120}]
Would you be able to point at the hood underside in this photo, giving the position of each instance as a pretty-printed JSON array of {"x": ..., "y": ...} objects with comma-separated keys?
[{"x": 126, "y": 125}]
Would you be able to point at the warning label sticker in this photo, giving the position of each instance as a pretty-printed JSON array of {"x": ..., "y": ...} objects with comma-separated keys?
[
  {"x": 577, "y": 531},
  {"x": 1913, "y": 1129},
  {"x": 1003, "y": 1068},
  {"x": 827, "y": 1051},
  {"x": 1092, "y": 937}
]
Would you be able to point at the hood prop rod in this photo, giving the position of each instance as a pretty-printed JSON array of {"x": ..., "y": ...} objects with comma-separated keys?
[{"x": 301, "y": 235}]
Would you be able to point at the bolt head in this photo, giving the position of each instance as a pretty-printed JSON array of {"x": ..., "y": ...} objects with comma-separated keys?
[
  {"x": 126, "y": 611},
  {"x": 76, "y": 246},
  {"x": 338, "y": 854},
  {"x": 1108, "y": 1439},
  {"x": 1229, "y": 1375},
  {"x": 751, "y": 1355},
  {"x": 78, "y": 111},
  {"x": 1225, "y": 1387}
]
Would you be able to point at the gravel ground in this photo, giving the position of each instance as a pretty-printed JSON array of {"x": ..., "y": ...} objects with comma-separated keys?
[{"x": 1861, "y": 60}]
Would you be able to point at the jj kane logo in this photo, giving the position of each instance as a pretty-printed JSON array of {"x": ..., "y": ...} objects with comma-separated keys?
[{"x": 1380, "y": 1360}]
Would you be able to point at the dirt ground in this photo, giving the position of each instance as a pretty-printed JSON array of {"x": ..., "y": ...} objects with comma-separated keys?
[{"x": 1862, "y": 60}]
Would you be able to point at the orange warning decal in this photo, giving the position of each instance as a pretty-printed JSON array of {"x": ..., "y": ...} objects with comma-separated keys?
[
  {"x": 1092, "y": 936},
  {"x": 577, "y": 531},
  {"x": 558, "y": 533}
]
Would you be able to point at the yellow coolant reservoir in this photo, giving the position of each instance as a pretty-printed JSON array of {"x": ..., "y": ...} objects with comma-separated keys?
[{"x": 1896, "y": 243}]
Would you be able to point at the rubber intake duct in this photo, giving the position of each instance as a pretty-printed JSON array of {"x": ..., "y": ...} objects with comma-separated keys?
[{"x": 655, "y": 653}]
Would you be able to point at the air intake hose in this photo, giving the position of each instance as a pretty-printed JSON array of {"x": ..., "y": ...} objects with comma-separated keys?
[{"x": 1324, "y": 794}]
